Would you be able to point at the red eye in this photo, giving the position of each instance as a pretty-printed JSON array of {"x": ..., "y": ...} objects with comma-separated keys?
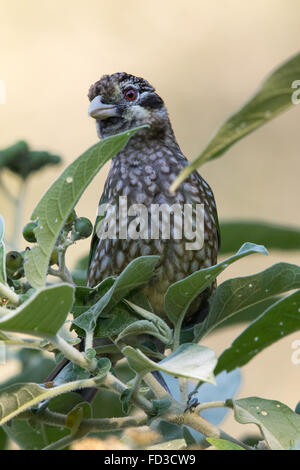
[{"x": 130, "y": 94}]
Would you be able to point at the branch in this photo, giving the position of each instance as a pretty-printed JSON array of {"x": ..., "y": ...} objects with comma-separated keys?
[
  {"x": 64, "y": 442},
  {"x": 210, "y": 404},
  {"x": 200, "y": 424},
  {"x": 9, "y": 294},
  {"x": 87, "y": 425},
  {"x": 116, "y": 385},
  {"x": 73, "y": 354},
  {"x": 155, "y": 386}
]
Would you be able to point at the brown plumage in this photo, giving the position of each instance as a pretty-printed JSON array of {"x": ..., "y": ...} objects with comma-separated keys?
[{"x": 143, "y": 172}]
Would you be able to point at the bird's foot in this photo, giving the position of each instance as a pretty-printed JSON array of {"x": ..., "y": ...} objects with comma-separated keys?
[{"x": 192, "y": 401}]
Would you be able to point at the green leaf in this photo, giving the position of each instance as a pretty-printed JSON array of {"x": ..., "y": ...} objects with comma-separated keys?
[
  {"x": 162, "y": 330},
  {"x": 160, "y": 406},
  {"x": 222, "y": 444},
  {"x": 140, "y": 327},
  {"x": 180, "y": 295},
  {"x": 249, "y": 314},
  {"x": 278, "y": 321},
  {"x": 246, "y": 315},
  {"x": 33, "y": 436},
  {"x": 272, "y": 98},
  {"x": 115, "y": 321},
  {"x": 2, "y": 252},
  {"x": 43, "y": 314},
  {"x": 86, "y": 297},
  {"x": 137, "y": 273},
  {"x": 190, "y": 360},
  {"x": 55, "y": 206},
  {"x": 70, "y": 373},
  {"x": 279, "y": 425},
  {"x": 237, "y": 294},
  {"x": 276, "y": 237},
  {"x": 19, "y": 397}
]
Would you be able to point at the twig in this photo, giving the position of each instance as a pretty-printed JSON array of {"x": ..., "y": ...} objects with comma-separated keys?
[
  {"x": 73, "y": 354},
  {"x": 9, "y": 294},
  {"x": 89, "y": 339},
  {"x": 87, "y": 425},
  {"x": 115, "y": 384},
  {"x": 136, "y": 385},
  {"x": 176, "y": 337},
  {"x": 155, "y": 386},
  {"x": 64, "y": 275},
  {"x": 63, "y": 270},
  {"x": 184, "y": 391},
  {"x": 210, "y": 404}
]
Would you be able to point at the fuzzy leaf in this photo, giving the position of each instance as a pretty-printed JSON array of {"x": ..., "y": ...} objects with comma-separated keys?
[
  {"x": 278, "y": 321},
  {"x": 43, "y": 314},
  {"x": 276, "y": 237},
  {"x": 139, "y": 327},
  {"x": 277, "y": 422},
  {"x": 19, "y": 397},
  {"x": 237, "y": 294},
  {"x": 55, "y": 206},
  {"x": 190, "y": 360},
  {"x": 180, "y": 295},
  {"x": 137, "y": 273}
]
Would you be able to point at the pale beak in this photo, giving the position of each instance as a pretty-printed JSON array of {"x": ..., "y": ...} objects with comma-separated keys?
[{"x": 100, "y": 111}]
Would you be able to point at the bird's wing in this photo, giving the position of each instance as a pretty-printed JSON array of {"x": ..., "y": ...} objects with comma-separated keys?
[
  {"x": 216, "y": 218},
  {"x": 214, "y": 208}
]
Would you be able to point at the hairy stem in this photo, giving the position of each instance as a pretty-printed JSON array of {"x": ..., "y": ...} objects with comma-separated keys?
[
  {"x": 73, "y": 354},
  {"x": 9, "y": 294},
  {"x": 87, "y": 425},
  {"x": 116, "y": 385},
  {"x": 176, "y": 337},
  {"x": 63, "y": 270},
  {"x": 184, "y": 391},
  {"x": 89, "y": 338},
  {"x": 155, "y": 386},
  {"x": 210, "y": 404}
]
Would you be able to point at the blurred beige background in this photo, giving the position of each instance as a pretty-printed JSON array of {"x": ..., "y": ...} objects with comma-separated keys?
[{"x": 205, "y": 59}]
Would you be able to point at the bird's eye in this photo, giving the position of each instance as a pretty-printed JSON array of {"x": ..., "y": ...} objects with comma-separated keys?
[{"x": 130, "y": 94}]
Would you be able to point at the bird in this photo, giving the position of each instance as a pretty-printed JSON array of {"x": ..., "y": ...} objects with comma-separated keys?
[{"x": 142, "y": 172}]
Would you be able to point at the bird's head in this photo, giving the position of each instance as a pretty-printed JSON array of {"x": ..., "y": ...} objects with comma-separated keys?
[{"x": 120, "y": 102}]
